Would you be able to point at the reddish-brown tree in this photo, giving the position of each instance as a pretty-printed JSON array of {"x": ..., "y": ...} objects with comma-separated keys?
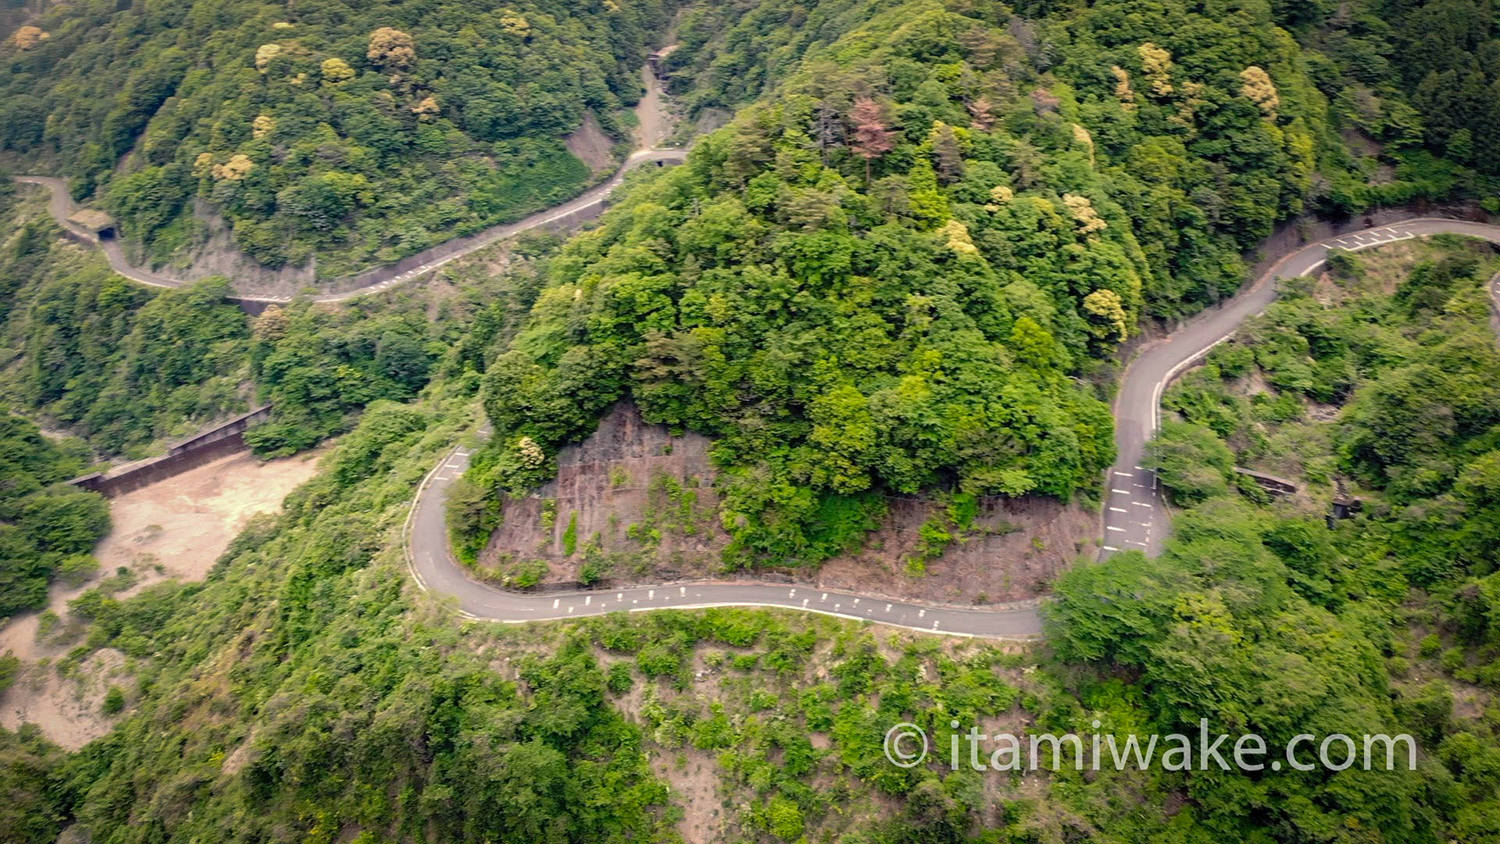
[
  {"x": 979, "y": 110},
  {"x": 871, "y": 137}
]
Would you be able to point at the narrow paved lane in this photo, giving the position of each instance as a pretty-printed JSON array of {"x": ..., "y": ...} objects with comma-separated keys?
[
  {"x": 436, "y": 570},
  {"x": 651, "y": 111},
  {"x": 1134, "y": 511},
  {"x": 1133, "y": 518},
  {"x": 60, "y": 206}
]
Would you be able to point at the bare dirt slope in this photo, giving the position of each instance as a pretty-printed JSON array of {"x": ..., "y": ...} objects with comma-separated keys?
[
  {"x": 635, "y": 504},
  {"x": 220, "y": 255},
  {"x": 654, "y": 118},
  {"x": 178, "y": 528},
  {"x": 589, "y": 144},
  {"x": 1014, "y": 551},
  {"x": 174, "y": 529}
]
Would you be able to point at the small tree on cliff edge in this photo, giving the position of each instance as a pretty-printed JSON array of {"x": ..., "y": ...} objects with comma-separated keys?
[{"x": 871, "y": 137}]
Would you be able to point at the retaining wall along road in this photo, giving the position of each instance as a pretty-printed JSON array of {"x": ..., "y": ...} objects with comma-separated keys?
[{"x": 200, "y": 448}]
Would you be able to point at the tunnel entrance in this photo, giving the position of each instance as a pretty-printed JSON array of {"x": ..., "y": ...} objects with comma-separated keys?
[{"x": 94, "y": 222}]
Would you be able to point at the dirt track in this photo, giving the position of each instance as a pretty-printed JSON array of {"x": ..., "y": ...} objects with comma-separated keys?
[{"x": 651, "y": 111}]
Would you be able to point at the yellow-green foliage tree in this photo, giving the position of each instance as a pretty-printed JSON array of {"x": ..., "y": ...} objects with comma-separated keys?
[{"x": 455, "y": 115}]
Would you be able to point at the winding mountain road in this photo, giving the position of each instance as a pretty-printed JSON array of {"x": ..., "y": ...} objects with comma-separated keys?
[
  {"x": 61, "y": 206},
  {"x": 1134, "y": 515},
  {"x": 435, "y": 569},
  {"x": 651, "y": 112}
]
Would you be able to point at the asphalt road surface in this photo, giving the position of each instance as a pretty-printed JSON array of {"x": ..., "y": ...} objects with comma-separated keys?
[
  {"x": 1133, "y": 518},
  {"x": 651, "y": 112},
  {"x": 1135, "y": 515},
  {"x": 436, "y": 570},
  {"x": 60, "y": 205}
]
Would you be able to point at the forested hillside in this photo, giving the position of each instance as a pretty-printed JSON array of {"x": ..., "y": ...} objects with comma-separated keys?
[
  {"x": 352, "y": 132},
  {"x": 901, "y": 270},
  {"x": 128, "y": 368},
  {"x": 46, "y": 527},
  {"x": 289, "y": 719},
  {"x": 1413, "y": 75},
  {"x": 905, "y": 267},
  {"x": 1410, "y": 85},
  {"x": 1382, "y": 375}
]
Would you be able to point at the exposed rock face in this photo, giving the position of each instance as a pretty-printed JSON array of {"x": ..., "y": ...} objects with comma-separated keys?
[
  {"x": 634, "y": 503},
  {"x": 632, "y": 492},
  {"x": 218, "y": 255},
  {"x": 1014, "y": 551}
]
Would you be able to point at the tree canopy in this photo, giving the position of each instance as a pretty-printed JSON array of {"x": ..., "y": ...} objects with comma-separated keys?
[
  {"x": 47, "y": 528},
  {"x": 356, "y": 134},
  {"x": 898, "y": 269},
  {"x": 1265, "y": 619}
]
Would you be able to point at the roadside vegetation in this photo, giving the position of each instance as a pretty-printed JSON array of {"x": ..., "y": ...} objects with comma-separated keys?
[
  {"x": 129, "y": 368},
  {"x": 1376, "y": 381},
  {"x": 349, "y": 134},
  {"x": 47, "y": 528},
  {"x": 905, "y": 265},
  {"x": 908, "y": 264},
  {"x": 1258, "y": 617},
  {"x": 1409, "y": 85}
]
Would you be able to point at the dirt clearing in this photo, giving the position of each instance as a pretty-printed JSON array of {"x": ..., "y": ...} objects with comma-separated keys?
[
  {"x": 174, "y": 529},
  {"x": 589, "y": 144},
  {"x": 655, "y": 120},
  {"x": 179, "y": 527}
]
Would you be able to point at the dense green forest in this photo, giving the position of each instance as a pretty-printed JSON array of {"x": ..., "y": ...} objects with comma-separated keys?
[
  {"x": 1442, "y": 55},
  {"x": 47, "y": 528},
  {"x": 354, "y": 133},
  {"x": 1411, "y": 84},
  {"x": 337, "y": 654},
  {"x": 342, "y": 710},
  {"x": 904, "y": 266},
  {"x": 128, "y": 368},
  {"x": 1257, "y": 617},
  {"x": 1261, "y": 617},
  {"x": 938, "y": 225}
]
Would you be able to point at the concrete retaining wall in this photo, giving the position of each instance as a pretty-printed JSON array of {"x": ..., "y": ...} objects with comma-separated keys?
[{"x": 201, "y": 448}]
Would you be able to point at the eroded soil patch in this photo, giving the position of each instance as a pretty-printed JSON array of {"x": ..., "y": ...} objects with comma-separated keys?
[{"x": 174, "y": 529}]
